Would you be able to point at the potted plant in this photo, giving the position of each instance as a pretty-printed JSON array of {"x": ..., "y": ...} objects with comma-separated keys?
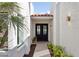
[{"x": 34, "y": 40}]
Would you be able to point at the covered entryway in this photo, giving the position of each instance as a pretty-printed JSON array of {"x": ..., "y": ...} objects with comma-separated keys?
[
  {"x": 41, "y": 32},
  {"x": 42, "y": 27}
]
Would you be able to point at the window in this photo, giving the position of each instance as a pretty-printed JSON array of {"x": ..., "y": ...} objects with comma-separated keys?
[
  {"x": 38, "y": 29},
  {"x": 44, "y": 29},
  {"x": 19, "y": 36}
]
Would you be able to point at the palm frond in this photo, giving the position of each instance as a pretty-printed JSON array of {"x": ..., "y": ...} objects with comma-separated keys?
[
  {"x": 18, "y": 21},
  {"x": 9, "y": 7},
  {"x": 7, "y": 10}
]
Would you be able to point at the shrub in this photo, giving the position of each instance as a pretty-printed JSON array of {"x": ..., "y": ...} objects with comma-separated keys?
[
  {"x": 1, "y": 29},
  {"x": 50, "y": 46},
  {"x": 34, "y": 39},
  {"x": 3, "y": 40},
  {"x": 57, "y": 51}
]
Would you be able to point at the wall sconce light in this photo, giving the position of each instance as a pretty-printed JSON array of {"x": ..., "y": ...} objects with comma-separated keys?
[{"x": 68, "y": 18}]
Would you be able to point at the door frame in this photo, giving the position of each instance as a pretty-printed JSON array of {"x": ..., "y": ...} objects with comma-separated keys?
[{"x": 47, "y": 29}]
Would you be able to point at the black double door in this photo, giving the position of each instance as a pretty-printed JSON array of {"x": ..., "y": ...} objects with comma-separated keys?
[{"x": 42, "y": 32}]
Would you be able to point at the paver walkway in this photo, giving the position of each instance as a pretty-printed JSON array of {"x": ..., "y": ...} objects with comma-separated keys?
[{"x": 41, "y": 50}]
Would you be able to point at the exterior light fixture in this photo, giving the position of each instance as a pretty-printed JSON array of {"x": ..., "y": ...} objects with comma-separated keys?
[
  {"x": 69, "y": 17},
  {"x": 69, "y": 20}
]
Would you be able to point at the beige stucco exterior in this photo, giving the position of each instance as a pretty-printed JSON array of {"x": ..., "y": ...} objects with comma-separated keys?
[
  {"x": 60, "y": 31},
  {"x": 67, "y": 32}
]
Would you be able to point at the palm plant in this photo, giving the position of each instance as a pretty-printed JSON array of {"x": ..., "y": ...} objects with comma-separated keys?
[
  {"x": 9, "y": 14},
  {"x": 8, "y": 11}
]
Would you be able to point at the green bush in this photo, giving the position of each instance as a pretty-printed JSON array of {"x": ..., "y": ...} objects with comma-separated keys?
[
  {"x": 50, "y": 46},
  {"x": 0, "y": 39},
  {"x": 3, "y": 40},
  {"x": 0, "y": 28},
  {"x": 57, "y": 51},
  {"x": 34, "y": 39}
]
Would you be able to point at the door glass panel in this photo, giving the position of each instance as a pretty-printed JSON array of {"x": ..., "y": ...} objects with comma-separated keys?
[
  {"x": 38, "y": 29},
  {"x": 44, "y": 29}
]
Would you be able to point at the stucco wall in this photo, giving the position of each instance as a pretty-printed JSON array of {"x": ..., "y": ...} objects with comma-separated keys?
[
  {"x": 26, "y": 38},
  {"x": 54, "y": 23},
  {"x": 68, "y": 31},
  {"x": 57, "y": 24}
]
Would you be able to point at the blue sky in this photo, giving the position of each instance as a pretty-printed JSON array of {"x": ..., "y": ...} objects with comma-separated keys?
[{"x": 41, "y": 7}]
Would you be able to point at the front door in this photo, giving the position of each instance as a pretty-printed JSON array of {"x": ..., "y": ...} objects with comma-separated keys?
[{"x": 42, "y": 32}]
